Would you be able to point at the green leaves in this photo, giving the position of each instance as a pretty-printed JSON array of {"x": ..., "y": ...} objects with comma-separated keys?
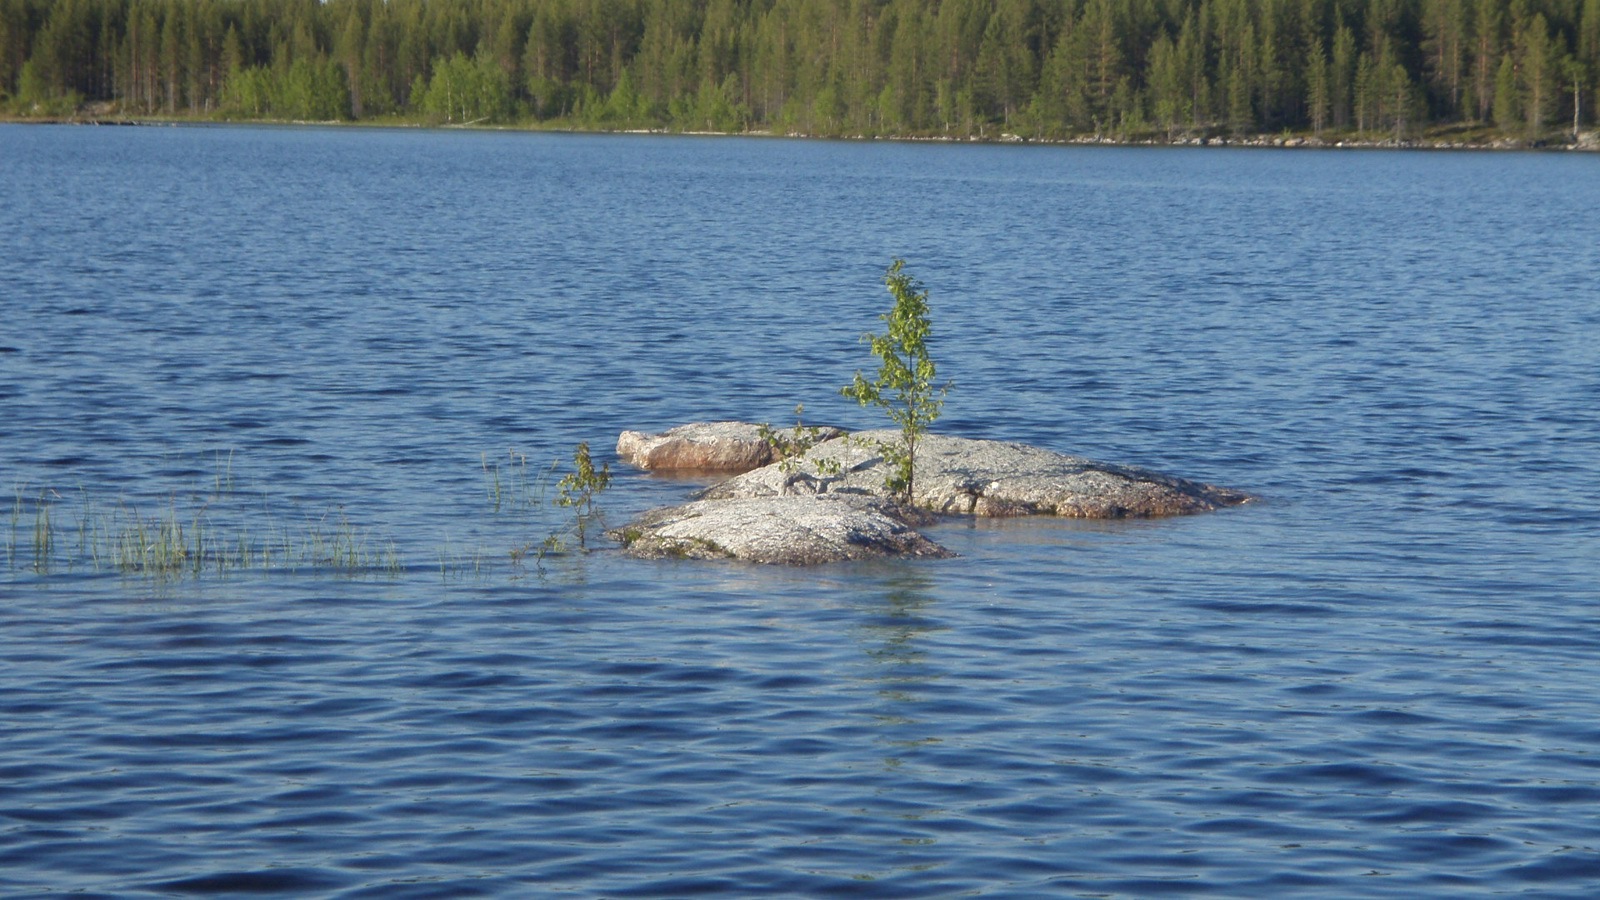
[
  {"x": 904, "y": 387},
  {"x": 792, "y": 446},
  {"x": 578, "y": 489}
]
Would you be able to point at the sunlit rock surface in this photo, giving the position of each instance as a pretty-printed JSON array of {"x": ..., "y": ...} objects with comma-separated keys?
[
  {"x": 830, "y": 503},
  {"x": 702, "y": 447},
  {"x": 984, "y": 478},
  {"x": 787, "y": 530}
]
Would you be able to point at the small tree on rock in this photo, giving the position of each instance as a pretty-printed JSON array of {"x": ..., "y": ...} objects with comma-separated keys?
[{"x": 904, "y": 388}]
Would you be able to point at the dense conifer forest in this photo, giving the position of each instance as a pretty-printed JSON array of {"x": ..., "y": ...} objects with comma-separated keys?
[{"x": 1523, "y": 70}]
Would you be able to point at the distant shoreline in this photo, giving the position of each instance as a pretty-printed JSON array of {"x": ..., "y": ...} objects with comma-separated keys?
[{"x": 1588, "y": 142}]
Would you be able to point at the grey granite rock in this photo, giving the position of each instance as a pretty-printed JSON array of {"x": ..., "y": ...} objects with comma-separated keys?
[
  {"x": 983, "y": 478},
  {"x": 830, "y": 504},
  {"x": 788, "y": 530}
]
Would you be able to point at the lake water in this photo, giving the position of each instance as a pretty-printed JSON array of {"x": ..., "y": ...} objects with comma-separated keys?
[{"x": 1380, "y": 680}]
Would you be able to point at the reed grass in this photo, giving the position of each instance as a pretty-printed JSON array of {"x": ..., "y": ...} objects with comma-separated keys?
[
  {"x": 215, "y": 530},
  {"x": 44, "y": 535},
  {"x": 458, "y": 563},
  {"x": 186, "y": 540},
  {"x": 224, "y": 475},
  {"x": 515, "y": 488},
  {"x": 11, "y": 533}
]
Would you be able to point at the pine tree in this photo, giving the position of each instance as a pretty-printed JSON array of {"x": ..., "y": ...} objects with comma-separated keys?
[
  {"x": 1342, "y": 82},
  {"x": 1588, "y": 55},
  {"x": 1486, "y": 56},
  {"x": 1168, "y": 93},
  {"x": 1507, "y": 105},
  {"x": 1317, "y": 88},
  {"x": 1537, "y": 72},
  {"x": 1367, "y": 92},
  {"x": 170, "y": 65},
  {"x": 349, "y": 52},
  {"x": 1445, "y": 29},
  {"x": 1105, "y": 57},
  {"x": 1191, "y": 51}
]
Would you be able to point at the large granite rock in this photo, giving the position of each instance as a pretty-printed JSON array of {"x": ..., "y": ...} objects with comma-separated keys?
[
  {"x": 790, "y": 530},
  {"x": 702, "y": 447},
  {"x": 830, "y": 504},
  {"x": 983, "y": 478}
]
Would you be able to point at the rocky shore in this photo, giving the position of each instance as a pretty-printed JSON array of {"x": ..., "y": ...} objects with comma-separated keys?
[{"x": 1585, "y": 141}]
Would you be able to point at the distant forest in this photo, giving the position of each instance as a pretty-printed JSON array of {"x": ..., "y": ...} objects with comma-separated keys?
[{"x": 1523, "y": 69}]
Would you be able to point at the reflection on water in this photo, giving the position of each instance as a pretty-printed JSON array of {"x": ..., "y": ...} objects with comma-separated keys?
[{"x": 890, "y": 632}]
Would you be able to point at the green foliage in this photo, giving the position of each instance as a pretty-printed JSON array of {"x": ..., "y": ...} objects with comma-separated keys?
[
  {"x": 904, "y": 387},
  {"x": 36, "y": 97},
  {"x": 1507, "y": 103},
  {"x": 791, "y": 446},
  {"x": 839, "y": 67},
  {"x": 578, "y": 490},
  {"x": 303, "y": 92},
  {"x": 465, "y": 91}
]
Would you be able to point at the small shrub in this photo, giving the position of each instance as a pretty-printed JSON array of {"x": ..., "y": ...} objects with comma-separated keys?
[
  {"x": 578, "y": 490},
  {"x": 792, "y": 446},
  {"x": 904, "y": 387}
]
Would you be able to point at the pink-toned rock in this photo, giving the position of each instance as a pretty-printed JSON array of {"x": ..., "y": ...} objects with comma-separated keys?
[{"x": 702, "y": 447}]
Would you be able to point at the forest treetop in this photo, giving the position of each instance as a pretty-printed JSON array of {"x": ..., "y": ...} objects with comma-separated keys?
[{"x": 1524, "y": 69}]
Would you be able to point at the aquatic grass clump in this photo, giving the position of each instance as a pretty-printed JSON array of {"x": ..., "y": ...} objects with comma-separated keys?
[
  {"x": 35, "y": 547},
  {"x": 167, "y": 546},
  {"x": 213, "y": 530},
  {"x": 162, "y": 546},
  {"x": 223, "y": 479},
  {"x": 44, "y": 536},
  {"x": 459, "y": 563},
  {"x": 515, "y": 488},
  {"x": 330, "y": 542},
  {"x": 187, "y": 540}
]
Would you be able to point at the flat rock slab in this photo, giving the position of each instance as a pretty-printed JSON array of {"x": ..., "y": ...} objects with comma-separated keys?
[
  {"x": 702, "y": 447},
  {"x": 789, "y": 530},
  {"x": 983, "y": 478}
]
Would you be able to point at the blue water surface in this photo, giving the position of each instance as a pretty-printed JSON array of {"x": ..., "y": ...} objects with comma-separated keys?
[{"x": 1379, "y": 680}]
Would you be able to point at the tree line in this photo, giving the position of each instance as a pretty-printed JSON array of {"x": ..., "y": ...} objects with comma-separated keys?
[{"x": 1527, "y": 69}]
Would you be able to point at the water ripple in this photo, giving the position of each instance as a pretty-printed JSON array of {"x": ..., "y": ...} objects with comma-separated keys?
[{"x": 1373, "y": 682}]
